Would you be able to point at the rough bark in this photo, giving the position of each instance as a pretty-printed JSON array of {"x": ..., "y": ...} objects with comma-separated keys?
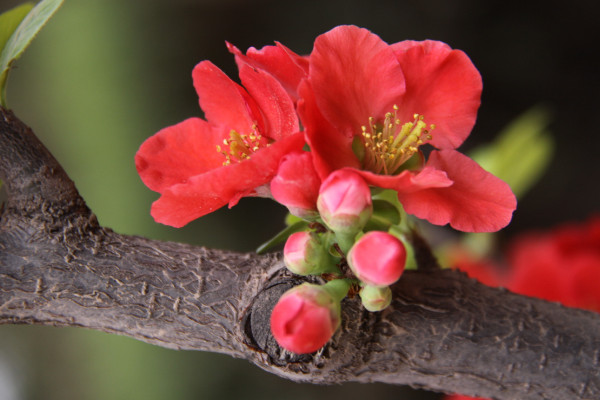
[{"x": 442, "y": 332}]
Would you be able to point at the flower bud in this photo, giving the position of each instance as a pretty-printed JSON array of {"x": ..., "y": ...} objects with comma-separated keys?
[
  {"x": 296, "y": 185},
  {"x": 375, "y": 298},
  {"x": 377, "y": 258},
  {"x": 303, "y": 254},
  {"x": 345, "y": 202},
  {"x": 306, "y": 316}
]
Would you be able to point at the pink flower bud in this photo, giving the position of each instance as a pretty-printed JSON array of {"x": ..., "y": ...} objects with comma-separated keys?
[
  {"x": 377, "y": 258},
  {"x": 303, "y": 254},
  {"x": 305, "y": 318},
  {"x": 296, "y": 185},
  {"x": 345, "y": 202},
  {"x": 375, "y": 298}
]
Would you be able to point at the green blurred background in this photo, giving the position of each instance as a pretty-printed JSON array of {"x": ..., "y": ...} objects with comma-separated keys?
[{"x": 105, "y": 74}]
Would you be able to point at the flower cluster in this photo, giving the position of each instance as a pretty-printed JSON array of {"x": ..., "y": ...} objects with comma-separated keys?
[{"x": 350, "y": 138}]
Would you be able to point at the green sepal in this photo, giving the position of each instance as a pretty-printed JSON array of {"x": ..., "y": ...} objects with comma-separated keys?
[
  {"x": 338, "y": 288},
  {"x": 385, "y": 214},
  {"x": 282, "y": 236},
  {"x": 22, "y": 34},
  {"x": 391, "y": 196},
  {"x": 291, "y": 219},
  {"x": 346, "y": 241},
  {"x": 403, "y": 236},
  {"x": 329, "y": 240}
]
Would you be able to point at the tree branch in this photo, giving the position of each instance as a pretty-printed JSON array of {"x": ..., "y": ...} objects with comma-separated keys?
[{"x": 443, "y": 330}]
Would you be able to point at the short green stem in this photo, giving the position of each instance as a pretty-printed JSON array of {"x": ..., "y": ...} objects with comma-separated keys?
[
  {"x": 345, "y": 241},
  {"x": 338, "y": 288}
]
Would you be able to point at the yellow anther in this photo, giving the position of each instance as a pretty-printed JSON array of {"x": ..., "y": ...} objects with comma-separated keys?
[
  {"x": 389, "y": 143},
  {"x": 241, "y": 146}
]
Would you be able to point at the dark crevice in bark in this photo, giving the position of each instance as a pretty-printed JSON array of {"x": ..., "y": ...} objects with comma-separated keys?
[{"x": 443, "y": 331}]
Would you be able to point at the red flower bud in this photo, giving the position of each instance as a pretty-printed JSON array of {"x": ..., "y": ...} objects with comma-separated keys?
[
  {"x": 377, "y": 258},
  {"x": 306, "y": 317},
  {"x": 303, "y": 254},
  {"x": 345, "y": 202}
]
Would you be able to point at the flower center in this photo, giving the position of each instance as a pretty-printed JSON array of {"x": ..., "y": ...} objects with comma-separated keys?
[
  {"x": 389, "y": 144},
  {"x": 239, "y": 147}
]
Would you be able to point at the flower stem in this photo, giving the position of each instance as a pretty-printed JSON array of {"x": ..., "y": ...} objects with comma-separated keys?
[{"x": 338, "y": 288}]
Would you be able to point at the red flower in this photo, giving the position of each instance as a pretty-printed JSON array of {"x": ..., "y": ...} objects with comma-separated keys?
[
  {"x": 369, "y": 106},
  {"x": 199, "y": 166},
  {"x": 562, "y": 265}
]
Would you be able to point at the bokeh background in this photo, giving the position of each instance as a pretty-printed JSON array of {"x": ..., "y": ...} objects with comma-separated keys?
[{"x": 104, "y": 75}]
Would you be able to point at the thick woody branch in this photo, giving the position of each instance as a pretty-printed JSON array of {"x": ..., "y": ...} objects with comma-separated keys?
[{"x": 443, "y": 331}]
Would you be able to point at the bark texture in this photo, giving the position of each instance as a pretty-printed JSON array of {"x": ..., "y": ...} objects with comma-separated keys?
[{"x": 442, "y": 332}]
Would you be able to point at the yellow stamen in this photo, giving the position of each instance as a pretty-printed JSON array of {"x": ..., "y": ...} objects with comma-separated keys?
[
  {"x": 391, "y": 143},
  {"x": 242, "y": 146}
]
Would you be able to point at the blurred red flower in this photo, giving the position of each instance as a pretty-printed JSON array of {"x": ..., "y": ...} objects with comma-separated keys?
[
  {"x": 561, "y": 265},
  {"x": 461, "y": 397}
]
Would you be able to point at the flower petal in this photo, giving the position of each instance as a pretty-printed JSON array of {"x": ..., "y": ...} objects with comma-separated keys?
[
  {"x": 355, "y": 75},
  {"x": 443, "y": 85},
  {"x": 286, "y": 66},
  {"x": 330, "y": 148},
  {"x": 276, "y": 106},
  {"x": 204, "y": 193},
  {"x": 408, "y": 181},
  {"x": 178, "y": 152},
  {"x": 296, "y": 184},
  {"x": 476, "y": 202},
  {"x": 224, "y": 102}
]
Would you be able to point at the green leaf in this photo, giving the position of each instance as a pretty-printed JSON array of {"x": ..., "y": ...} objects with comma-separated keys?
[
  {"x": 22, "y": 36},
  {"x": 291, "y": 219},
  {"x": 521, "y": 153},
  {"x": 10, "y": 20},
  {"x": 282, "y": 236},
  {"x": 385, "y": 214}
]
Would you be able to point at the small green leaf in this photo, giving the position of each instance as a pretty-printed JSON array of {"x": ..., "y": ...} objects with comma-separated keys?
[
  {"x": 291, "y": 219},
  {"x": 282, "y": 236},
  {"x": 10, "y": 20},
  {"x": 521, "y": 153},
  {"x": 385, "y": 214},
  {"x": 22, "y": 36}
]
